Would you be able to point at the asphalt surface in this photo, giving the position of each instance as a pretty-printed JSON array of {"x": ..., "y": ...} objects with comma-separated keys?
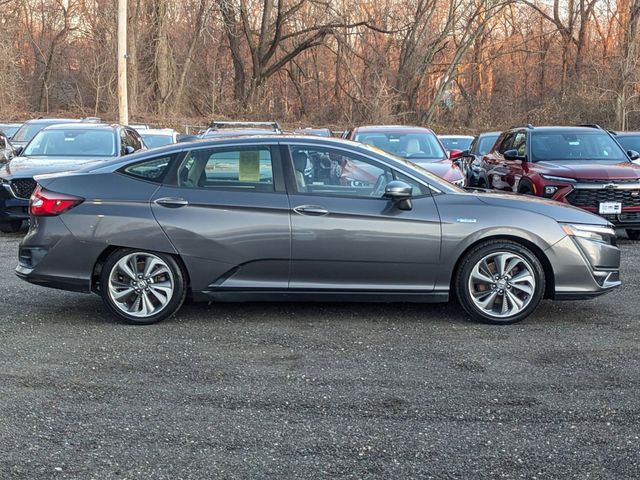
[{"x": 317, "y": 390}]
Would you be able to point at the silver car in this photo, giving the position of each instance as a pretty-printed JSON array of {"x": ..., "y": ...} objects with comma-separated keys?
[{"x": 285, "y": 218}]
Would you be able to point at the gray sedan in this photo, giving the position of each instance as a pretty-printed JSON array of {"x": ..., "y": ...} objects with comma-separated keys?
[{"x": 285, "y": 218}]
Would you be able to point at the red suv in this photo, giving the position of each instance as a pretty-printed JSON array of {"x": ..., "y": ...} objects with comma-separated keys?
[{"x": 582, "y": 166}]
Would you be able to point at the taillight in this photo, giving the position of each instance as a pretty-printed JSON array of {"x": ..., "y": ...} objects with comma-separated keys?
[{"x": 44, "y": 203}]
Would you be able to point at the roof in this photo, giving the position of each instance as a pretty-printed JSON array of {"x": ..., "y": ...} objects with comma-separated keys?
[
  {"x": 392, "y": 128},
  {"x": 157, "y": 131},
  {"x": 626, "y": 134},
  {"x": 53, "y": 120},
  {"x": 83, "y": 126},
  {"x": 560, "y": 128}
]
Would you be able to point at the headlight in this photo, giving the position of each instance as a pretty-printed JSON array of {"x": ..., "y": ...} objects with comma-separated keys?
[
  {"x": 597, "y": 233},
  {"x": 558, "y": 179}
]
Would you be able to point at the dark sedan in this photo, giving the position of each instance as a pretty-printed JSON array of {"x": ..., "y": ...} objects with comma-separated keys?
[
  {"x": 244, "y": 219},
  {"x": 55, "y": 149}
]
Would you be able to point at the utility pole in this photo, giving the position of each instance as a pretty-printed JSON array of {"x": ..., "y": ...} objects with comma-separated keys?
[{"x": 123, "y": 101}]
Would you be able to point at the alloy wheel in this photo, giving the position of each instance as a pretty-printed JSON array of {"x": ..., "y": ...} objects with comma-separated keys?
[
  {"x": 141, "y": 285},
  {"x": 502, "y": 284}
]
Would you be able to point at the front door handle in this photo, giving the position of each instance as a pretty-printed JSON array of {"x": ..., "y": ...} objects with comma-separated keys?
[
  {"x": 172, "y": 202},
  {"x": 311, "y": 210}
]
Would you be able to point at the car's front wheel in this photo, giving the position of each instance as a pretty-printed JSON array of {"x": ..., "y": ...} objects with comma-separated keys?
[
  {"x": 142, "y": 287},
  {"x": 633, "y": 234},
  {"x": 500, "y": 282}
]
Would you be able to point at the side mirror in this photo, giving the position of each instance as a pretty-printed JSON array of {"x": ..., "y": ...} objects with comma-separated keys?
[
  {"x": 633, "y": 155},
  {"x": 128, "y": 150},
  {"x": 453, "y": 154},
  {"x": 18, "y": 151},
  {"x": 399, "y": 193},
  {"x": 513, "y": 155}
]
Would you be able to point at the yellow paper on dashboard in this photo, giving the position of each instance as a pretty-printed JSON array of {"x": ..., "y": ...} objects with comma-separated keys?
[{"x": 249, "y": 167}]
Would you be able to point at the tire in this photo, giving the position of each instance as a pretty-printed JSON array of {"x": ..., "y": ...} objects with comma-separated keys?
[
  {"x": 155, "y": 296},
  {"x": 13, "y": 226},
  {"x": 633, "y": 234},
  {"x": 519, "y": 297},
  {"x": 525, "y": 190}
]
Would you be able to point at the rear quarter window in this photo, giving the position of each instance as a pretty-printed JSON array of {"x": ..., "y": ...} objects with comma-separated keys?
[{"x": 153, "y": 170}]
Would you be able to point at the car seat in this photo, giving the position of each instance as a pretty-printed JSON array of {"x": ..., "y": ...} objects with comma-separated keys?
[{"x": 300, "y": 164}]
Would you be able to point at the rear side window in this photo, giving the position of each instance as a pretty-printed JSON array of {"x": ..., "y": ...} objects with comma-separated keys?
[
  {"x": 153, "y": 170},
  {"x": 238, "y": 168}
]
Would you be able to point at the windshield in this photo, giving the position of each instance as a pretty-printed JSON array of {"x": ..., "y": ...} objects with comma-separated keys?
[
  {"x": 155, "y": 141},
  {"x": 456, "y": 143},
  {"x": 630, "y": 142},
  {"x": 485, "y": 143},
  {"x": 9, "y": 130},
  {"x": 577, "y": 146},
  {"x": 27, "y": 131},
  {"x": 424, "y": 146},
  {"x": 72, "y": 143}
]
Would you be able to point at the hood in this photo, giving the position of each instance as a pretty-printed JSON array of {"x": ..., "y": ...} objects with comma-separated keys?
[
  {"x": 560, "y": 212},
  {"x": 29, "y": 167},
  {"x": 443, "y": 168},
  {"x": 589, "y": 170}
]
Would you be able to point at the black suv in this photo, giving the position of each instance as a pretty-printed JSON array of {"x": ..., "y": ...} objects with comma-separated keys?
[{"x": 58, "y": 148}]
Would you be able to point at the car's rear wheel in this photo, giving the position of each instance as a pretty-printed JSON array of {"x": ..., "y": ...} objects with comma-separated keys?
[
  {"x": 633, "y": 234},
  {"x": 11, "y": 227},
  {"x": 142, "y": 287},
  {"x": 500, "y": 282}
]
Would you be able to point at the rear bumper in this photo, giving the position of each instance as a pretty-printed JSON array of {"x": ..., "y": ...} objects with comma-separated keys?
[{"x": 50, "y": 256}]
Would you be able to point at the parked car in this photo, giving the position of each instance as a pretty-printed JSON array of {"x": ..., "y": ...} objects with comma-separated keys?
[
  {"x": 9, "y": 129},
  {"x": 158, "y": 137},
  {"x": 319, "y": 132},
  {"x": 456, "y": 144},
  {"x": 630, "y": 141},
  {"x": 229, "y": 129},
  {"x": 469, "y": 160},
  {"x": 58, "y": 148},
  {"x": 29, "y": 129},
  {"x": 417, "y": 144},
  {"x": 582, "y": 166},
  {"x": 7, "y": 151},
  {"x": 238, "y": 219}
]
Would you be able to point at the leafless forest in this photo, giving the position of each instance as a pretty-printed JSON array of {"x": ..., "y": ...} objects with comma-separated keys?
[{"x": 453, "y": 64}]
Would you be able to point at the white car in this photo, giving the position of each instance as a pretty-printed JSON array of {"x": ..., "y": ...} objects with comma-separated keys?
[{"x": 158, "y": 137}]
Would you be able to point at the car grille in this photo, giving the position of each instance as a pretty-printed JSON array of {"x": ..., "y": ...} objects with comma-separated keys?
[
  {"x": 592, "y": 198},
  {"x": 626, "y": 217},
  {"x": 23, "y": 187}
]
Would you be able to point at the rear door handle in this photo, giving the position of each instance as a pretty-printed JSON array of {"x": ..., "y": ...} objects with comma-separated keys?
[
  {"x": 171, "y": 202},
  {"x": 311, "y": 210}
]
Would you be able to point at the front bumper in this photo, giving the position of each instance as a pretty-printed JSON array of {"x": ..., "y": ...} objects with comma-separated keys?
[
  {"x": 12, "y": 208},
  {"x": 584, "y": 268}
]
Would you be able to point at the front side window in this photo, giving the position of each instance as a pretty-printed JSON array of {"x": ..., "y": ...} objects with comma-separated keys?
[
  {"x": 630, "y": 142},
  {"x": 507, "y": 143},
  {"x": 583, "y": 146},
  {"x": 520, "y": 143},
  {"x": 325, "y": 171},
  {"x": 237, "y": 169},
  {"x": 69, "y": 143}
]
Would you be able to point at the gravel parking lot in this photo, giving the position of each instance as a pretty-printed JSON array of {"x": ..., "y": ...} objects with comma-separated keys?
[{"x": 317, "y": 390}]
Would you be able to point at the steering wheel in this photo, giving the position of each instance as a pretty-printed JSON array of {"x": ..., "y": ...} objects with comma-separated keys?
[{"x": 378, "y": 188}]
